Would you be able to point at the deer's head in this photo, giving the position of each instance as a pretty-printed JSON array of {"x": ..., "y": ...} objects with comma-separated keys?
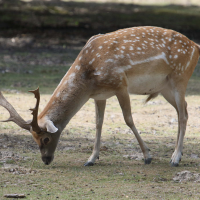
[{"x": 46, "y": 136}]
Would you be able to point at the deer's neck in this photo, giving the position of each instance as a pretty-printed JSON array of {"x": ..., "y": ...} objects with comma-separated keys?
[{"x": 67, "y": 99}]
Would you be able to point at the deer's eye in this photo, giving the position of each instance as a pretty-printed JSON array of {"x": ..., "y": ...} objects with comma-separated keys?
[{"x": 46, "y": 140}]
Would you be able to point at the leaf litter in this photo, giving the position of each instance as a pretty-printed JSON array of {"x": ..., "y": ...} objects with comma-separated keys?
[
  {"x": 9, "y": 156},
  {"x": 186, "y": 175}
]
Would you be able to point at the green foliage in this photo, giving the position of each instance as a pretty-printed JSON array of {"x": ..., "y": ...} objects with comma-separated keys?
[
  {"x": 25, "y": 71},
  {"x": 94, "y": 17}
]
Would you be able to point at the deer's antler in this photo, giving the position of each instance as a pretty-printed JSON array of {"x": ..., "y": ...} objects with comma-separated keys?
[
  {"x": 16, "y": 118},
  {"x": 34, "y": 123}
]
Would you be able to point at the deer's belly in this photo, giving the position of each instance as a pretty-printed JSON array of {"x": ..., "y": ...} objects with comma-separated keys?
[
  {"x": 102, "y": 94},
  {"x": 146, "y": 84}
]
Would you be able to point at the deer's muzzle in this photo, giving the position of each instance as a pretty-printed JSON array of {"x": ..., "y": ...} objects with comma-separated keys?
[{"x": 47, "y": 159}]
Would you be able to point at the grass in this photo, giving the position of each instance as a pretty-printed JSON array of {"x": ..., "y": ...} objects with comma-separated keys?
[
  {"x": 112, "y": 178},
  {"x": 27, "y": 71}
]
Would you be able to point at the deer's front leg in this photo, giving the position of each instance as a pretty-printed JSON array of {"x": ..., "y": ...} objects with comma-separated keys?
[{"x": 100, "y": 108}]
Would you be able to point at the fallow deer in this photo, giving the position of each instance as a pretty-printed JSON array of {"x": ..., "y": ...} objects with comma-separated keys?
[{"x": 139, "y": 60}]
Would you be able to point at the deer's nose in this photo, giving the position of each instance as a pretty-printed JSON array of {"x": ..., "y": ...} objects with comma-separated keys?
[{"x": 47, "y": 159}]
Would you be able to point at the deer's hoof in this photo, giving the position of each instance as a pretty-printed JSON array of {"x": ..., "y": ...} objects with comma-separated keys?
[
  {"x": 174, "y": 164},
  {"x": 147, "y": 161},
  {"x": 88, "y": 164}
]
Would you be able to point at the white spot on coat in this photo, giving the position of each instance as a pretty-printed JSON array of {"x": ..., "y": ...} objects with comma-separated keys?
[
  {"x": 58, "y": 94},
  {"x": 91, "y": 40},
  {"x": 92, "y": 61},
  {"x": 116, "y": 56},
  {"x": 188, "y": 63},
  {"x": 109, "y": 60},
  {"x": 123, "y": 68},
  {"x": 158, "y": 57},
  {"x": 70, "y": 80},
  {"x": 77, "y": 67},
  {"x": 97, "y": 73},
  {"x": 98, "y": 55}
]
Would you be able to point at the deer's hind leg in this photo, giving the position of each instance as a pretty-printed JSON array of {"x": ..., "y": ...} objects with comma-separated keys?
[
  {"x": 124, "y": 101},
  {"x": 175, "y": 95}
]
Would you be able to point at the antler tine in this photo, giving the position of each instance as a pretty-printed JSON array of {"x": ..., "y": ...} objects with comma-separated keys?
[
  {"x": 34, "y": 123},
  {"x": 14, "y": 116}
]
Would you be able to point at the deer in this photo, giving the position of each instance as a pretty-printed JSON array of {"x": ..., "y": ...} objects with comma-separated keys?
[{"x": 140, "y": 60}]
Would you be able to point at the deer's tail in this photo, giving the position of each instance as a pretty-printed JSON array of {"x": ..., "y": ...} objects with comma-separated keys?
[
  {"x": 151, "y": 96},
  {"x": 198, "y": 46}
]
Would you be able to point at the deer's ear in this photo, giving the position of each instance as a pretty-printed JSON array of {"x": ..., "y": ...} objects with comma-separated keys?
[{"x": 50, "y": 127}]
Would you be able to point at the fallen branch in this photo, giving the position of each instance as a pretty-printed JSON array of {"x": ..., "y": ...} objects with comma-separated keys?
[{"x": 14, "y": 195}]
